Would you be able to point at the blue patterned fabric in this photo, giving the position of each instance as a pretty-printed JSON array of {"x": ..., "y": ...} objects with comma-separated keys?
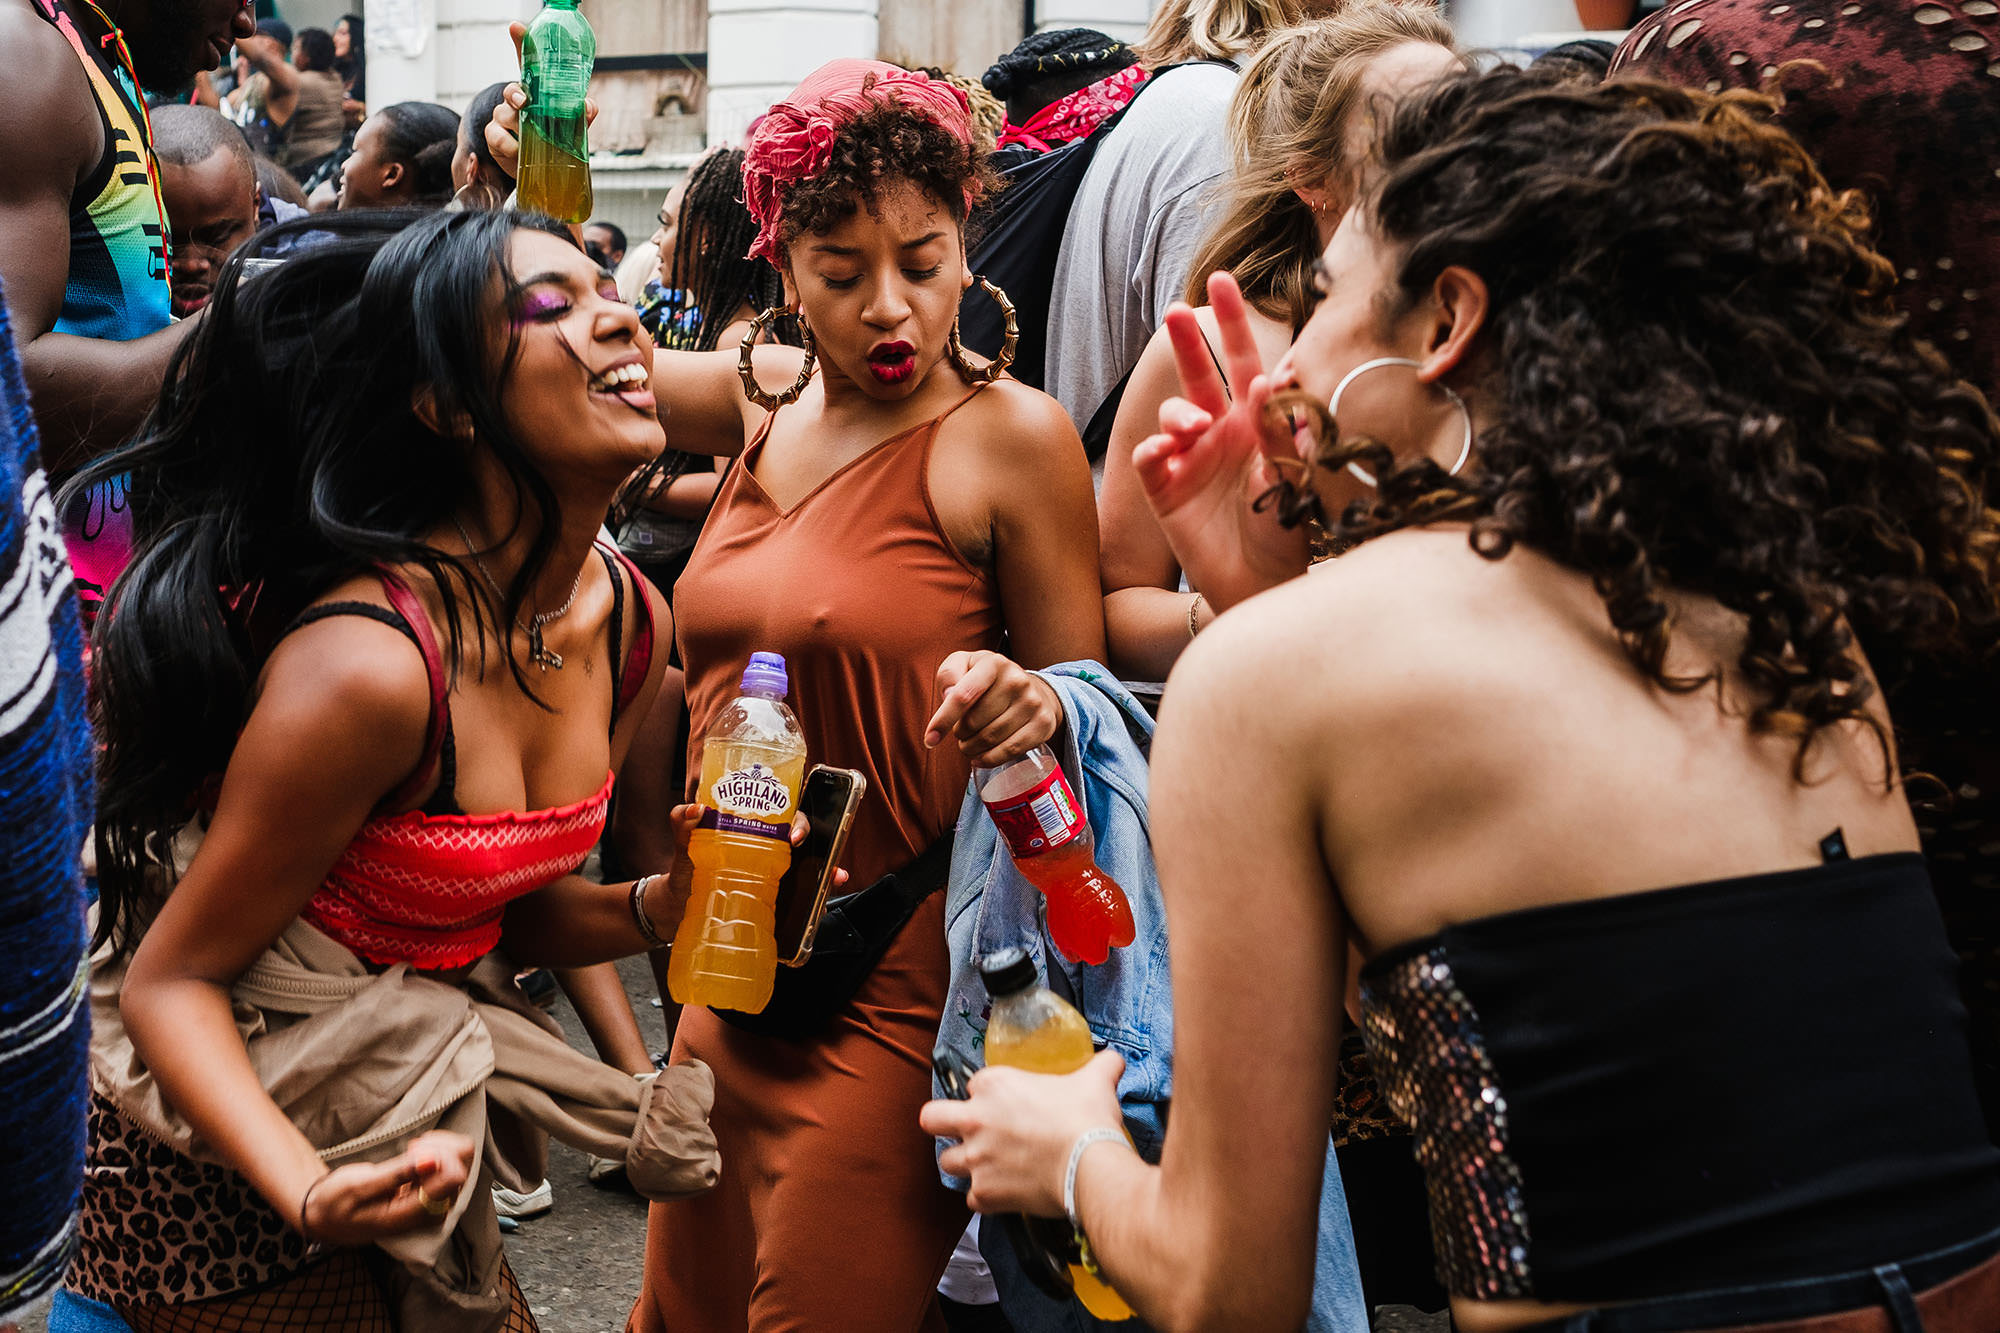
[{"x": 45, "y": 810}]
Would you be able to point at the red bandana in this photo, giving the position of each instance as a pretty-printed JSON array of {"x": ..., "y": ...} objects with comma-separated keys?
[
  {"x": 795, "y": 137},
  {"x": 1078, "y": 114}
]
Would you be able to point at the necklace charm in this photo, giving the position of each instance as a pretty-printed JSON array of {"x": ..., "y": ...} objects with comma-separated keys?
[{"x": 539, "y": 653}]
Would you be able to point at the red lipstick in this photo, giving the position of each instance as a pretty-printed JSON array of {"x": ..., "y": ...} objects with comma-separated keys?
[{"x": 892, "y": 362}]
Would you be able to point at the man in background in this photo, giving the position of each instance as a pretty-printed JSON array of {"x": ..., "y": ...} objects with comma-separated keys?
[
  {"x": 85, "y": 263},
  {"x": 605, "y": 243},
  {"x": 208, "y": 178}
]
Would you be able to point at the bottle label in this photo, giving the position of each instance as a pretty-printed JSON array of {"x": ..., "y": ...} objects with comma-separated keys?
[
  {"x": 1040, "y": 820},
  {"x": 756, "y": 792},
  {"x": 722, "y": 822}
]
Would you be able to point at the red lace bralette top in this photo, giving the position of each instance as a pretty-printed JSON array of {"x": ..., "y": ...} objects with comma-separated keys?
[{"x": 427, "y": 887}]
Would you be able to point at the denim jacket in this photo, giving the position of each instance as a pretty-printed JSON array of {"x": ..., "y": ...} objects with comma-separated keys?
[{"x": 1127, "y": 999}]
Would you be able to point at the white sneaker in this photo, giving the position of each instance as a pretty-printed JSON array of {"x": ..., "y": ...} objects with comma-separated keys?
[{"x": 511, "y": 1203}]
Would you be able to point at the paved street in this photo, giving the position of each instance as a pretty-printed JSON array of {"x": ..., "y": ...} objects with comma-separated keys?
[{"x": 580, "y": 1263}]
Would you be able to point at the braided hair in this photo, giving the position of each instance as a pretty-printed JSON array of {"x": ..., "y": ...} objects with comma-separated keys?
[
  {"x": 1048, "y": 66},
  {"x": 712, "y": 268},
  {"x": 714, "y": 277}
]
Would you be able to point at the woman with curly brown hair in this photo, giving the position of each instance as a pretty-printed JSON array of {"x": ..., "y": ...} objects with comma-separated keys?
[
  {"x": 897, "y": 515},
  {"x": 1632, "y": 453}
]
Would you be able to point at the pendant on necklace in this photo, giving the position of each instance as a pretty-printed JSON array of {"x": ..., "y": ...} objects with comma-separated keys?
[{"x": 539, "y": 653}]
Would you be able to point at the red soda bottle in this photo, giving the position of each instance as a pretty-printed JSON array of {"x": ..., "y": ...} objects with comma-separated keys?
[{"x": 1050, "y": 839}]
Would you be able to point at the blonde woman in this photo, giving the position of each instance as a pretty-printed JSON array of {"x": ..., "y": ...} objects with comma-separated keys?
[
  {"x": 1140, "y": 210},
  {"x": 1298, "y": 126}
]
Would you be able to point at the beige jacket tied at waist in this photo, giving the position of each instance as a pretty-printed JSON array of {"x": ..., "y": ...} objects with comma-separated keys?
[{"x": 363, "y": 1062}]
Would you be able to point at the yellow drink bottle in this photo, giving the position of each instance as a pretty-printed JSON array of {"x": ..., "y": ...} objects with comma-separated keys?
[
  {"x": 557, "y": 55},
  {"x": 1033, "y": 1028},
  {"x": 752, "y": 765}
]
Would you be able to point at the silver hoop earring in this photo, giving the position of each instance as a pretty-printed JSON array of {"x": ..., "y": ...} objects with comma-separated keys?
[{"x": 1333, "y": 410}]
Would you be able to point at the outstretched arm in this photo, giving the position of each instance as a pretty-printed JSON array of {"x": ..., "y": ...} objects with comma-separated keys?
[
  {"x": 267, "y": 55},
  {"x": 89, "y": 394}
]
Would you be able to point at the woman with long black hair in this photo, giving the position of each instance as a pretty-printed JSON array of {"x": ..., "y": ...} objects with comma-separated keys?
[{"x": 371, "y": 656}]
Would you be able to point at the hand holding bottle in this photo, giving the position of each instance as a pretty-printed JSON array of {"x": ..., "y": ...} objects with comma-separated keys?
[
  {"x": 503, "y": 131},
  {"x": 994, "y": 708},
  {"x": 1015, "y": 1133}
]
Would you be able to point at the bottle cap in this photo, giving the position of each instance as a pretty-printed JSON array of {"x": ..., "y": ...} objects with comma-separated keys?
[
  {"x": 1007, "y": 971},
  {"x": 766, "y": 675}
]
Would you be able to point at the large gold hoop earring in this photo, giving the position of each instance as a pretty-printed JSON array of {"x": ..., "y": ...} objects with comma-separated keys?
[
  {"x": 997, "y": 367},
  {"x": 754, "y": 391}
]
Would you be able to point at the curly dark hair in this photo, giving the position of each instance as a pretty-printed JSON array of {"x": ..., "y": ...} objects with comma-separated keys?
[
  {"x": 883, "y": 145},
  {"x": 1694, "y": 380}
]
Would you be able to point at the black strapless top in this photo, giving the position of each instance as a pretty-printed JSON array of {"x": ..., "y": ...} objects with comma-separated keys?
[{"x": 1745, "y": 1081}]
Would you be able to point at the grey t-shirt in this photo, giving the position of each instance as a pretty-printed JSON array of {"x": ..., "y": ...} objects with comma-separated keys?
[{"x": 1133, "y": 230}]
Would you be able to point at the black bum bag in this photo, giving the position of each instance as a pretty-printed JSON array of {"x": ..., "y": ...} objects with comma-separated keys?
[{"x": 854, "y": 932}]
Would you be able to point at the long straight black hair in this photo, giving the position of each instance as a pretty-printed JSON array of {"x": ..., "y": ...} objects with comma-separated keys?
[{"x": 285, "y": 457}]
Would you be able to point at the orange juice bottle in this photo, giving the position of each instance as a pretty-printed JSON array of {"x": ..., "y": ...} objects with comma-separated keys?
[
  {"x": 752, "y": 765},
  {"x": 1033, "y": 1028}
]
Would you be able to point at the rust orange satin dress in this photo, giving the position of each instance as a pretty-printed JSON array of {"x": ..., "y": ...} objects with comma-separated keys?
[{"x": 829, "y": 1215}]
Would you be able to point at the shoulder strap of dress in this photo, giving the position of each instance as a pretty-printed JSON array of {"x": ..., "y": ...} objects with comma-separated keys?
[
  {"x": 639, "y": 658},
  {"x": 412, "y": 611},
  {"x": 970, "y": 394}
]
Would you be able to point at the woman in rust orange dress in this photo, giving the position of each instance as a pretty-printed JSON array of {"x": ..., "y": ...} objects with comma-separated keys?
[{"x": 901, "y": 518}]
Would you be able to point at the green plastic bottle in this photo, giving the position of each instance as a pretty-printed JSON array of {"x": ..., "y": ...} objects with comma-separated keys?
[{"x": 556, "y": 59}]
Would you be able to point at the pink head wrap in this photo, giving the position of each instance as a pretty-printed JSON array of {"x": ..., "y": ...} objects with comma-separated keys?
[{"x": 795, "y": 137}]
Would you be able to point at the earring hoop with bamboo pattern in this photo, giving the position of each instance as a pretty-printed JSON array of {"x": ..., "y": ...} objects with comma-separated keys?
[
  {"x": 756, "y": 392},
  {"x": 997, "y": 367}
]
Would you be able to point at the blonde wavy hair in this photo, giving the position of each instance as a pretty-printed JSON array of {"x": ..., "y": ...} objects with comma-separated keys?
[
  {"x": 1289, "y": 128},
  {"x": 1184, "y": 30}
]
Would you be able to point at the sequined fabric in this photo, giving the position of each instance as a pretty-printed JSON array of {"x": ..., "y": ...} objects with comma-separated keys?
[{"x": 1427, "y": 1050}]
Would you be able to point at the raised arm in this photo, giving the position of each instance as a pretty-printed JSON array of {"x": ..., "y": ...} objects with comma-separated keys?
[
  {"x": 1145, "y": 611},
  {"x": 88, "y": 394},
  {"x": 701, "y": 400},
  {"x": 341, "y": 719},
  {"x": 267, "y": 56}
]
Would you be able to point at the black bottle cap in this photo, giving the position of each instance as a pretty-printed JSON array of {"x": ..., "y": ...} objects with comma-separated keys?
[{"x": 1007, "y": 972}]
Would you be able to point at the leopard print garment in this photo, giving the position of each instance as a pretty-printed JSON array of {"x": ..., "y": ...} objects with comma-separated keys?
[{"x": 156, "y": 1225}]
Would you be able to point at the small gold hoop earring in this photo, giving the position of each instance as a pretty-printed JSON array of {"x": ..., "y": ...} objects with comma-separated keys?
[
  {"x": 997, "y": 367},
  {"x": 755, "y": 392}
]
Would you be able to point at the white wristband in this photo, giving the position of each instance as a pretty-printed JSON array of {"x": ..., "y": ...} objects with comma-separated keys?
[{"x": 1076, "y": 1151}]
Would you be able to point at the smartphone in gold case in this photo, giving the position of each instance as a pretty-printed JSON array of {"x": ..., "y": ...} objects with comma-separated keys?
[{"x": 828, "y": 800}]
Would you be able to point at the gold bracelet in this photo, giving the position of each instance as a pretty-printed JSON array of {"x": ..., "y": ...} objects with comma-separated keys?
[{"x": 1194, "y": 606}]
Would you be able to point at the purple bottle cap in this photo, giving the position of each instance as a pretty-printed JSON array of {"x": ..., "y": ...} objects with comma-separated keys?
[{"x": 766, "y": 675}]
